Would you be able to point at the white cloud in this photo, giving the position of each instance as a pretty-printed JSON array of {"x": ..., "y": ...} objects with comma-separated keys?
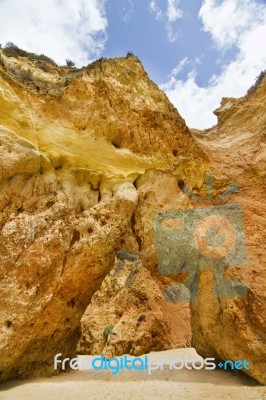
[
  {"x": 171, "y": 34},
  {"x": 61, "y": 29},
  {"x": 228, "y": 20},
  {"x": 196, "y": 103},
  {"x": 127, "y": 9},
  {"x": 156, "y": 10},
  {"x": 169, "y": 16},
  {"x": 173, "y": 12},
  {"x": 180, "y": 66}
]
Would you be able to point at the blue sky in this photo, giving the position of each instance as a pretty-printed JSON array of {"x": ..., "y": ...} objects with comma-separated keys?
[
  {"x": 197, "y": 51},
  {"x": 134, "y": 27}
]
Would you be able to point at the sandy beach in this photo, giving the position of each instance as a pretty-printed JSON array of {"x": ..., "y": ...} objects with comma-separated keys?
[{"x": 163, "y": 384}]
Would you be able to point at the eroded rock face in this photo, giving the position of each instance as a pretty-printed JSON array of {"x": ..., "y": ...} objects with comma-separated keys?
[
  {"x": 128, "y": 314},
  {"x": 86, "y": 159},
  {"x": 235, "y": 328},
  {"x": 76, "y": 146},
  {"x": 51, "y": 263}
]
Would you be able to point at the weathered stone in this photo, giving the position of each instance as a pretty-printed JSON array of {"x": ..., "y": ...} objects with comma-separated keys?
[
  {"x": 234, "y": 328},
  {"x": 86, "y": 159},
  {"x": 128, "y": 315},
  {"x": 73, "y": 146}
]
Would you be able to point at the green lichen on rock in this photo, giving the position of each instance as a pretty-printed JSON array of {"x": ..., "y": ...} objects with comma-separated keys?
[{"x": 106, "y": 332}]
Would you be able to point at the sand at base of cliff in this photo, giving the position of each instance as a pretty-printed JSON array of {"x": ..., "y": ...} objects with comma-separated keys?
[{"x": 160, "y": 384}]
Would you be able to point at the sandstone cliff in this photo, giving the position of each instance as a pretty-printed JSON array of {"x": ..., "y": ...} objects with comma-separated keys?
[
  {"x": 83, "y": 155},
  {"x": 236, "y": 328},
  {"x": 129, "y": 315},
  {"x": 87, "y": 157}
]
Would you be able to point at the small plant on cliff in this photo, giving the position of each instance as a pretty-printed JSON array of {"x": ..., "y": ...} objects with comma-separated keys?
[
  {"x": 11, "y": 50},
  {"x": 25, "y": 76},
  {"x": 130, "y": 54},
  {"x": 257, "y": 83},
  {"x": 106, "y": 332},
  {"x": 70, "y": 63},
  {"x": 44, "y": 66}
]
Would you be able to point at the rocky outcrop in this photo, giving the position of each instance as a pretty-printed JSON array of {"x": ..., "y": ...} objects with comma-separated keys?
[
  {"x": 234, "y": 328},
  {"x": 87, "y": 158},
  {"x": 224, "y": 327},
  {"x": 51, "y": 262},
  {"x": 78, "y": 148},
  {"x": 129, "y": 315}
]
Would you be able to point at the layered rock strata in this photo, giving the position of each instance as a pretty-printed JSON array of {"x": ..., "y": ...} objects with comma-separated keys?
[{"x": 79, "y": 148}]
